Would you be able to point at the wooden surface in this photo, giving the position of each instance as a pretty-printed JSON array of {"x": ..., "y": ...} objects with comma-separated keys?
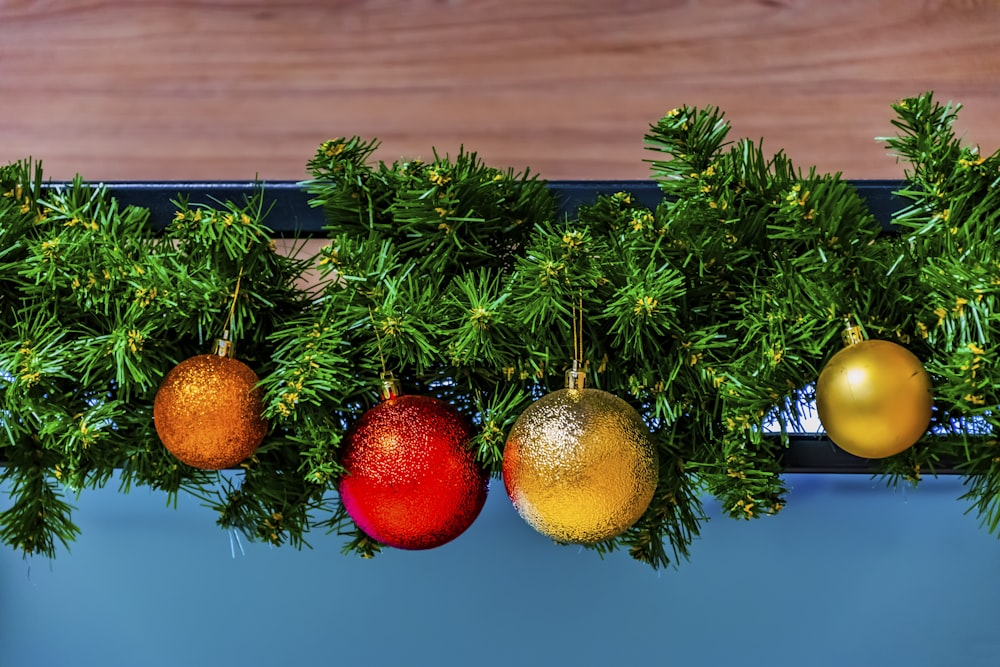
[{"x": 232, "y": 90}]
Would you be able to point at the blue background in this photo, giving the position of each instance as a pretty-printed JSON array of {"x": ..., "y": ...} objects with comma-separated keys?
[{"x": 850, "y": 573}]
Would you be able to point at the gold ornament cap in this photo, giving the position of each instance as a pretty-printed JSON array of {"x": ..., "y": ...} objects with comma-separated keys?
[
  {"x": 390, "y": 388},
  {"x": 576, "y": 377},
  {"x": 852, "y": 333},
  {"x": 224, "y": 347}
]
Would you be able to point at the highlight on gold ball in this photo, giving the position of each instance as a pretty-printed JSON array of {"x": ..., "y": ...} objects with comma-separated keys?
[
  {"x": 208, "y": 410},
  {"x": 874, "y": 397}
]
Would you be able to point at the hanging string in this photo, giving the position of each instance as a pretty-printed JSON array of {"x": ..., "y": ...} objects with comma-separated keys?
[
  {"x": 578, "y": 330},
  {"x": 378, "y": 340},
  {"x": 575, "y": 377},
  {"x": 576, "y": 354},
  {"x": 391, "y": 387},
  {"x": 224, "y": 346},
  {"x": 232, "y": 306},
  {"x": 852, "y": 332}
]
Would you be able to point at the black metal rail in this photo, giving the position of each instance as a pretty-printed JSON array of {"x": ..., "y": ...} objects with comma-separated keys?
[{"x": 290, "y": 212}]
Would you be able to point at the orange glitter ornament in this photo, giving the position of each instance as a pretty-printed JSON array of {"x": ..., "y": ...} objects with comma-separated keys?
[{"x": 207, "y": 410}]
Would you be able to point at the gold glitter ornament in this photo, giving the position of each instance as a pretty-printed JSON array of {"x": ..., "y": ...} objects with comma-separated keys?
[
  {"x": 207, "y": 410},
  {"x": 579, "y": 464},
  {"x": 874, "y": 397}
]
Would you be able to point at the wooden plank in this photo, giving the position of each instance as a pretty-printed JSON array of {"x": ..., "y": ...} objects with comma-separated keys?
[{"x": 231, "y": 89}]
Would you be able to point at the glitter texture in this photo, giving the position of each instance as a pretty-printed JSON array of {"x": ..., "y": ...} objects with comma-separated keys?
[
  {"x": 412, "y": 482},
  {"x": 874, "y": 399},
  {"x": 579, "y": 465},
  {"x": 207, "y": 412}
]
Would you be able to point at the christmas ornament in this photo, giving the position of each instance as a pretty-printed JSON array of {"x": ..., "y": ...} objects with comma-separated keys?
[
  {"x": 207, "y": 410},
  {"x": 411, "y": 481},
  {"x": 874, "y": 397},
  {"x": 579, "y": 464}
]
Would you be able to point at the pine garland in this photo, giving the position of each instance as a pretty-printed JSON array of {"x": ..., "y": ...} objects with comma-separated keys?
[{"x": 712, "y": 313}]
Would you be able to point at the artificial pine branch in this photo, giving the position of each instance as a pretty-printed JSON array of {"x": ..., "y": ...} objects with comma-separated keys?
[
  {"x": 97, "y": 309},
  {"x": 773, "y": 257},
  {"x": 414, "y": 287},
  {"x": 950, "y": 233}
]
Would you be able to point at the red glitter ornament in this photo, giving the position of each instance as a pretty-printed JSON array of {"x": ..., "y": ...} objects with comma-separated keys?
[{"x": 412, "y": 482}]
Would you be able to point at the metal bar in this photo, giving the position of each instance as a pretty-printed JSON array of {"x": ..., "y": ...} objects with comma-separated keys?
[{"x": 291, "y": 214}]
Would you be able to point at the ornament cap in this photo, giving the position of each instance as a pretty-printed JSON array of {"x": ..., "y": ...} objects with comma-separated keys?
[
  {"x": 224, "y": 346},
  {"x": 852, "y": 333},
  {"x": 576, "y": 377},
  {"x": 391, "y": 387}
]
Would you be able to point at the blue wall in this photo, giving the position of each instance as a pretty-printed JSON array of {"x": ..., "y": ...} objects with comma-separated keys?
[{"x": 851, "y": 573}]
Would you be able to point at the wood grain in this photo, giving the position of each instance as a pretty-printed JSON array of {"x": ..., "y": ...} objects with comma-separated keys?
[{"x": 231, "y": 89}]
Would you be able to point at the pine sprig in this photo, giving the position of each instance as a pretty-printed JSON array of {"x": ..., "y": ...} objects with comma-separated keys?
[
  {"x": 949, "y": 232},
  {"x": 353, "y": 195},
  {"x": 39, "y": 519},
  {"x": 773, "y": 257},
  {"x": 463, "y": 212},
  {"x": 481, "y": 336},
  {"x": 97, "y": 309}
]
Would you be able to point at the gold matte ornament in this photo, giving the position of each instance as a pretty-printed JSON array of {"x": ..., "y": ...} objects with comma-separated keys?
[
  {"x": 207, "y": 411},
  {"x": 579, "y": 465},
  {"x": 874, "y": 398}
]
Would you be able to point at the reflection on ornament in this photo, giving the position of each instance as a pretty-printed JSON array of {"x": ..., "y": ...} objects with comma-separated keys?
[
  {"x": 579, "y": 464},
  {"x": 207, "y": 411},
  {"x": 874, "y": 397},
  {"x": 412, "y": 482}
]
